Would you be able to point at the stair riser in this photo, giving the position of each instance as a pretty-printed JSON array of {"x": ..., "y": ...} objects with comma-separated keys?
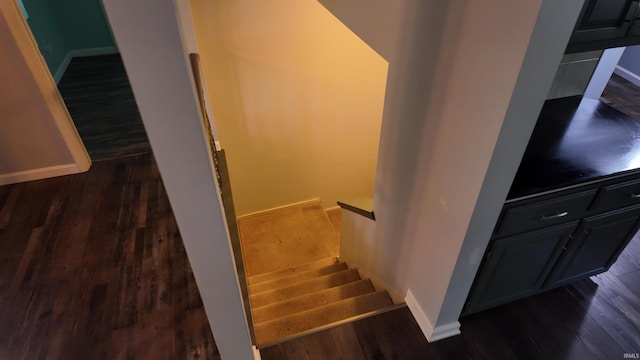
[
  {"x": 252, "y": 280},
  {"x": 290, "y": 325},
  {"x": 296, "y": 278},
  {"x": 309, "y": 301},
  {"x": 306, "y": 287}
]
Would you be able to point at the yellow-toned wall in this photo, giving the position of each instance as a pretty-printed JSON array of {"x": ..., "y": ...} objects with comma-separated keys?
[{"x": 297, "y": 100}]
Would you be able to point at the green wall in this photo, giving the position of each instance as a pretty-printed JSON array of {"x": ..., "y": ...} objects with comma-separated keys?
[
  {"x": 61, "y": 26},
  {"x": 48, "y": 34},
  {"x": 83, "y": 23}
]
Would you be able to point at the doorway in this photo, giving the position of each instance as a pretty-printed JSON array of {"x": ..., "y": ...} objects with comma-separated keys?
[
  {"x": 616, "y": 80},
  {"x": 297, "y": 106},
  {"x": 76, "y": 43}
]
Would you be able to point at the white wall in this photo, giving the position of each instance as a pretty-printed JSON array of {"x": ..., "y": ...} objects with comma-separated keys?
[
  {"x": 187, "y": 29},
  {"x": 149, "y": 39},
  {"x": 451, "y": 86},
  {"x": 603, "y": 72},
  {"x": 297, "y": 100},
  {"x": 629, "y": 64},
  {"x": 631, "y": 59},
  {"x": 37, "y": 136},
  {"x": 548, "y": 41}
]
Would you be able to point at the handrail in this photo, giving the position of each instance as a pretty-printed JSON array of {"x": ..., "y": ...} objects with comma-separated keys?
[{"x": 360, "y": 206}]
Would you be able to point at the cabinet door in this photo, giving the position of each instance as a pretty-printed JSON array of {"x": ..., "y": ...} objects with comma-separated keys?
[
  {"x": 595, "y": 246},
  {"x": 516, "y": 266},
  {"x": 601, "y": 21}
]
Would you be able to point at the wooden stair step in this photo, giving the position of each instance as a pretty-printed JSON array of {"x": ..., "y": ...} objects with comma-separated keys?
[
  {"x": 312, "y": 300},
  {"x": 304, "y": 287},
  {"x": 291, "y": 270},
  {"x": 295, "y": 278},
  {"x": 287, "y": 326}
]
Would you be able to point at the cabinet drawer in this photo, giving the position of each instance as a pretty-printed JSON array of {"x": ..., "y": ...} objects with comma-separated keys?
[
  {"x": 544, "y": 213},
  {"x": 617, "y": 196}
]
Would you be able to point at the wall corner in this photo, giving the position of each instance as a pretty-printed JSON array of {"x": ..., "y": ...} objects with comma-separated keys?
[{"x": 431, "y": 333}]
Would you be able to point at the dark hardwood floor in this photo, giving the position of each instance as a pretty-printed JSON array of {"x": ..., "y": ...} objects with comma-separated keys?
[
  {"x": 92, "y": 266},
  {"x": 622, "y": 95},
  {"x": 97, "y": 93},
  {"x": 593, "y": 319}
]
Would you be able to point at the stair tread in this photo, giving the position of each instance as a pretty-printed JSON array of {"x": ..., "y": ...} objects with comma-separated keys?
[
  {"x": 295, "y": 278},
  {"x": 292, "y": 324},
  {"x": 304, "y": 287},
  {"x": 312, "y": 300},
  {"x": 291, "y": 270}
]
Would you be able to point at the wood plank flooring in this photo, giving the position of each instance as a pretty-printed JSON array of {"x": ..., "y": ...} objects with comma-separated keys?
[
  {"x": 92, "y": 266},
  {"x": 592, "y": 319},
  {"x": 99, "y": 98},
  {"x": 622, "y": 95}
]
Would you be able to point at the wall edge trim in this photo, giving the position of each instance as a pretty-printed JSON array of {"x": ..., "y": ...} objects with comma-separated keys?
[
  {"x": 430, "y": 332},
  {"x": 256, "y": 353},
  {"x": 40, "y": 173},
  {"x": 105, "y": 50},
  {"x": 627, "y": 75},
  {"x": 62, "y": 68},
  {"x": 281, "y": 207}
]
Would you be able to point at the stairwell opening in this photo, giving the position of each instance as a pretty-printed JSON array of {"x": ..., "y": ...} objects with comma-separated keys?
[{"x": 296, "y": 99}]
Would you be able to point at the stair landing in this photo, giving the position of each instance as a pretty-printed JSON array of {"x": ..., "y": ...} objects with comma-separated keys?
[{"x": 287, "y": 237}]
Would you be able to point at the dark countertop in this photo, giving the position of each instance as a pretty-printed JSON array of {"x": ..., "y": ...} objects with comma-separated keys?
[{"x": 577, "y": 140}]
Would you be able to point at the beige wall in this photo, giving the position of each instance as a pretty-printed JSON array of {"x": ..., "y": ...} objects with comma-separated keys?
[
  {"x": 37, "y": 139},
  {"x": 297, "y": 100}
]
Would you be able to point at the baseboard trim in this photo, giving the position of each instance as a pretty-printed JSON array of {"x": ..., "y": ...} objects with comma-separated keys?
[
  {"x": 432, "y": 334},
  {"x": 292, "y": 205},
  {"x": 256, "y": 353},
  {"x": 628, "y": 75},
  {"x": 42, "y": 173},
  {"x": 62, "y": 68},
  {"x": 106, "y": 50},
  {"x": 333, "y": 208}
]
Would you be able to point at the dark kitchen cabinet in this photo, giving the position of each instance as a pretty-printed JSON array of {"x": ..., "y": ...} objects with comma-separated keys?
[
  {"x": 517, "y": 266},
  {"x": 595, "y": 246},
  {"x": 605, "y": 23},
  {"x": 531, "y": 261},
  {"x": 573, "y": 206}
]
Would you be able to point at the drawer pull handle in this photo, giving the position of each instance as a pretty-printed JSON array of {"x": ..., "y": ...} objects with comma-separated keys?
[
  {"x": 556, "y": 216},
  {"x": 635, "y": 196}
]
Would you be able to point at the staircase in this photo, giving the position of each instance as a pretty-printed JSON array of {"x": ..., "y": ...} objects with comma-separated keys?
[{"x": 300, "y": 300}]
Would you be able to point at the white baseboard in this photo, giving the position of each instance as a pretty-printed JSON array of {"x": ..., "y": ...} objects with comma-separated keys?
[
  {"x": 37, "y": 174},
  {"x": 628, "y": 75},
  {"x": 432, "y": 334},
  {"x": 107, "y": 50},
  {"x": 296, "y": 204}
]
